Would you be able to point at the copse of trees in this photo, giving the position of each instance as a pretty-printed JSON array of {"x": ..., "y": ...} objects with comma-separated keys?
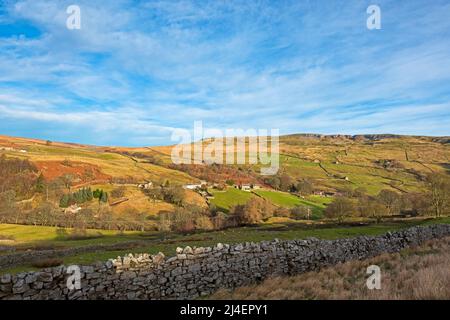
[
  {"x": 230, "y": 182},
  {"x": 416, "y": 204},
  {"x": 174, "y": 195},
  {"x": 97, "y": 193},
  {"x": 284, "y": 182},
  {"x": 391, "y": 200},
  {"x": 273, "y": 181},
  {"x": 386, "y": 203},
  {"x": 40, "y": 185},
  {"x": 303, "y": 187},
  {"x": 369, "y": 207},
  {"x": 301, "y": 212},
  {"x": 439, "y": 192},
  {"x": 340, "y": 208},
  {"x": 80, "y": 196},
  {"x": 154, "y": 194},
  {"x": 185, "y": 219},
  {"x": 101, "y": 195},
  {"x": 434, "y": 201},
  {"x": 281, "y": 181},
  {"x": 8, "y": 207},
  {"x": 170, "y": 194},
  {"x": 18, "y": 175},
  {"x": 254, "y": 211}
]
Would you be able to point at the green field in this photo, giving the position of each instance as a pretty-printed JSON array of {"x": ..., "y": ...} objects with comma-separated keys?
[
  {"x": 282, "y": 199},
  {"x": 28, "y": 236},
  {"x": 287, "y": 200},
  {"x": 224, "y": 200},
  {"x": 320, "y": 200}
]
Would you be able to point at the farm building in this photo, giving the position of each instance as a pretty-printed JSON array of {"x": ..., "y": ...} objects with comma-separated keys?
[
  {"x": 146, "y": 185},
  {"x": 73, "y": 209},
  {"x": 247, "y": 187},
  {"x": 195, "y": 186}
]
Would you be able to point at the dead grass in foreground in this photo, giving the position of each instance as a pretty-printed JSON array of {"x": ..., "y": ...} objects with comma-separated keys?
[{"x": 413, "y": 274}]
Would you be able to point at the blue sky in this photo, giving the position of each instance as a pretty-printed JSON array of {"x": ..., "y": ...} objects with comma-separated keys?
[{"x": 139, "y": 69}]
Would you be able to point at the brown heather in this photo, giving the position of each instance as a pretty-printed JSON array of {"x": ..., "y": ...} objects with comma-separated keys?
[{"x": 416, "y": 273}]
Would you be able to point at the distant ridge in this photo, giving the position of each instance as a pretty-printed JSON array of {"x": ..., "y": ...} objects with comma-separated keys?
[
  {"x": 371, "y": 137},
  {"x": 367, "y": 137}
]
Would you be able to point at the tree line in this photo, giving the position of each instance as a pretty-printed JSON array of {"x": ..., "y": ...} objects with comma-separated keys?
[
  {"x": 434, "y": 201},
  {"x": 83, "y": 195}
]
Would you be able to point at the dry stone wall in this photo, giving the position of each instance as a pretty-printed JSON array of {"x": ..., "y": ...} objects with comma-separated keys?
[{"x": 195, "y": 272}]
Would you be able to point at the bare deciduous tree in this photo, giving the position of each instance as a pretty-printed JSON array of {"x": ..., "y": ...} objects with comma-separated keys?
[{"x": 439, "y": 186}]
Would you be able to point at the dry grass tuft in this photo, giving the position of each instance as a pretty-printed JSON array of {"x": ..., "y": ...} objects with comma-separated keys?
[{"x": 417, "y": 273}]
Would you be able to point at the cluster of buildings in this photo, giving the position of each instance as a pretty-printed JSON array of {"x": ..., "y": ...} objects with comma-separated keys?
[
  {"x": 146, "y": 185},
  {"x": 247, "y": 187},
  {"x": 326, "y": 193},
  {"x": 203, "y": 184},
  {"x": 73, "y": 209},
  {"x": 195, "y": 186}
]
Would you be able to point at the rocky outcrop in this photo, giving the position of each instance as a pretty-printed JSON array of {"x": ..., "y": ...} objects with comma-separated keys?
[{"x": 195, "y": 272}]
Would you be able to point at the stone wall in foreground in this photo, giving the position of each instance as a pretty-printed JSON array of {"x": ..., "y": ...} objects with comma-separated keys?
[{"x": 195, "y": 272}]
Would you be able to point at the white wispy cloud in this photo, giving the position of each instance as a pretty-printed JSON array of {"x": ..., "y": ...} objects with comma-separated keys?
[{"x": 298, "y": 66}]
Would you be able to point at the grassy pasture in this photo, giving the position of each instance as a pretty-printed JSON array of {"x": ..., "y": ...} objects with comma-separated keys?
[
  {"x": 224, "y": 200},
  {"x": 40, "y": 235},
  {"x": 282, "y": 199}
]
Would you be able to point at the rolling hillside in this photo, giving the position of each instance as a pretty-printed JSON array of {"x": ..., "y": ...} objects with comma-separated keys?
[{"x": 374, "y": 162}]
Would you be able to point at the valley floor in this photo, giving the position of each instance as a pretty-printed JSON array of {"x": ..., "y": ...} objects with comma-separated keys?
[
  {"x": 415, "y": 273},
  {"x": 19, "y": 239}
]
